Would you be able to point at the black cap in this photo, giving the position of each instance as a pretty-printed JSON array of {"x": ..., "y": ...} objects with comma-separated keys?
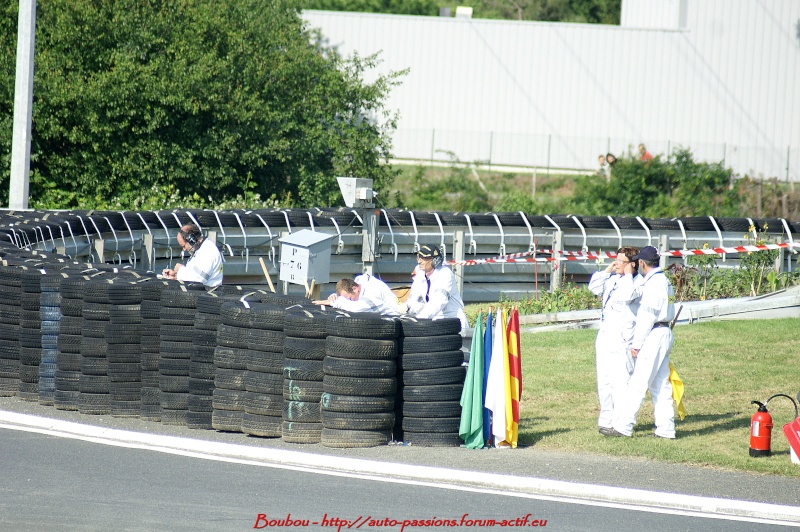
[
  {"x": 647, "y": 253},
  {"x": 428, "y": 252}
]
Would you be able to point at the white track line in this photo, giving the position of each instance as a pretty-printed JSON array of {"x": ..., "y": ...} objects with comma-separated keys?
[{"x": 473, "y": 481}]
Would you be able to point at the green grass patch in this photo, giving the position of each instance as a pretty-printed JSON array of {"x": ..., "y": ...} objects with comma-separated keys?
[{"x": 724, "y": 366}]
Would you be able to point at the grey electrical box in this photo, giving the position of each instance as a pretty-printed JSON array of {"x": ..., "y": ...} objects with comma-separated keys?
[
  {"x": 356, "y": 191},
  {"x": 306, "y": 257}
]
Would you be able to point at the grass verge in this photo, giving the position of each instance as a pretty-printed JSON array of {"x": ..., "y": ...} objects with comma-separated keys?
[{"x": 724, "y": 365}]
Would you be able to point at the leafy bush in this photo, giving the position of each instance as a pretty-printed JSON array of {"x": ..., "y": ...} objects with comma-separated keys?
[
  {"x": 225, "y": 99},
  {"x": 660, "y": 188}
]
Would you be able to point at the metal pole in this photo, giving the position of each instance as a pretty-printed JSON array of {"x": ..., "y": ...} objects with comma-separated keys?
[
  {"x": 556, "y": 265},
  {"x": 23, "y": 107},
  {"x": 433, "y": 144},
  {"x": 491, "y": 142},
  {"x": 549, "y": 140},
  {"x": 369, "y": 233},
  {"x": 458, "y": 255}
]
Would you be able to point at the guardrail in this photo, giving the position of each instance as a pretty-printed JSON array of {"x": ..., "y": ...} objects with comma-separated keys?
[{"x": 146, "y": 241}]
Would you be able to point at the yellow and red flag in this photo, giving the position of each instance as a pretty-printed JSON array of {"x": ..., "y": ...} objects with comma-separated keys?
[{"x": 515, "y": 374}]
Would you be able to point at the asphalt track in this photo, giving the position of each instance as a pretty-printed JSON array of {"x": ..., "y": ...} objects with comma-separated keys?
[{"x": 604, "y": 479}]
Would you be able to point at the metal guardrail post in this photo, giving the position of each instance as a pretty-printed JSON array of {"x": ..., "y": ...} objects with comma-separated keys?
[
  {"x": 369, "y": 241},
  {"x": 458, "y": 255},
  {"x": 555, "y": 266},
  {"x": 663, "y": 245},
  {"x": 149, "y": 250},
  {"x": 99, "y": 247}
]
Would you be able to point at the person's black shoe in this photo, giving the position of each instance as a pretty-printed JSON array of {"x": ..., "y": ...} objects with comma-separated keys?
[
  {"x": 614, "y": 433},
  {"x": 605, "y": 431}
]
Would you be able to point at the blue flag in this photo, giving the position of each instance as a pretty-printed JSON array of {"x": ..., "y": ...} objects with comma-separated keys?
[{"x": 487, "y": 359}]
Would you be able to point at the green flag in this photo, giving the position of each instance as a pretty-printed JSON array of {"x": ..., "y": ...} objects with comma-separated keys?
[{"x": 471, "y": 428}]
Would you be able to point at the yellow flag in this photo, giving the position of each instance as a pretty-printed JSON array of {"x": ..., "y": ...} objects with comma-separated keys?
[{"x": 677, "y": 390}]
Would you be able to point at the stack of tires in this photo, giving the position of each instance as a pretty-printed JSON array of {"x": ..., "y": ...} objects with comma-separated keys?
[
  {"x": 178, "y": 309},
  {"x": 50, "y": 315},
  {"x": 264, "y": 377},
  {"x": 30, "y": 335},
  {"x": 304, "y": 351},
  {"x": 10, "y": 288},
  {"x": 94, "y": 384},
  {"x": 124, "y": 335},
  {"x": 151, "y": 349},
  {"x": 431, "y": 379},
  {"x": 360, "y": 380},
  {"x": 70, "y": 333},
  {"x": 230, "y": 367},
  {"x": 201, "y": 366}
]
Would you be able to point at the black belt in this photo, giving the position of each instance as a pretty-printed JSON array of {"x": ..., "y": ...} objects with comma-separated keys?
[{"x": 660, "y": 324}]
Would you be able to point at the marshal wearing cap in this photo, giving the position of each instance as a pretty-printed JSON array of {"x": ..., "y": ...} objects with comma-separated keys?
[{"x": 648, "y": 253}]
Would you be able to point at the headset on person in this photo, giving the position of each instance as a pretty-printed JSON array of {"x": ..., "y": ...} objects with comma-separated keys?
[
  {"x": 432, "y": 252},
  {"x": 192, "y": 236}
]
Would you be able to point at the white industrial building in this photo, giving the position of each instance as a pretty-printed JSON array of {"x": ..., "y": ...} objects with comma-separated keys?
[{"x": 721, "y": 77}]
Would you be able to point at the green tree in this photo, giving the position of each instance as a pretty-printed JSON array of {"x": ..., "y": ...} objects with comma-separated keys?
[
  {"x": 395, "y": 7},
  {"x": 215, "y": 99},
  {"x": 587, "y": 11}
]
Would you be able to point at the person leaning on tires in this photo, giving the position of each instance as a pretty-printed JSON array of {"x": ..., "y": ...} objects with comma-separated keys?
[
  {"x": 365, "y": 293},
  {"x": 434, "y": 293},
  {"x": 205, "y": 260}
]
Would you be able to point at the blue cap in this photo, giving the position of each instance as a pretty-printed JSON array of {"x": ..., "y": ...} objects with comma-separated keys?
[{"x": 648, "y": 253}]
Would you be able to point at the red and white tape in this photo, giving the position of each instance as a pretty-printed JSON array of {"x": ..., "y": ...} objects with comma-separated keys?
[{"x": 524, "y": 257}]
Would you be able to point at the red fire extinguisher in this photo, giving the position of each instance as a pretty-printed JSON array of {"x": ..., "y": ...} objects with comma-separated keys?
[
  {"x": 761, "y": 427},
  {"x": 760, "y": 431}
]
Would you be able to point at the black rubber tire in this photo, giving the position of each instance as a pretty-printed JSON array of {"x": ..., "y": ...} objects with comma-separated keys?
[
  {"x": 363, "y": 325},
  {"x": 433, "y": 377},
  {"x": 358, "y": 386},
  {"x": 355, "y": 403},
  {"x": 295, "y": 390},
  {"x": 343, "y": 439},
  {"x": 256, "y": 381},
  {"x": 292, "y": 432},
  {"x": 303, "y": 323},
  {"x": 432, "y": 439},
  {"x": 301, "y": 411},
  {"x": 438, "y": 424},
  {"x": 428, "y": 344},
  {"x": 432, "y": 409},
  {"x": 264, "y": 404},
  {"x": 438, "y": 359},
  {"x": 230, "y": 379},
  {"x": 262, "y": 426},
  {"x": 444, "y": 392},
  {"x": 304, "y": 348},
  {"x": 267, "y": 316},
  {"x": 227, "y": 420},
  {"x": 414, "y": 327},
  {"x": 266, "y": 362},
  {"x": 304, "y": 370},
  {"x": 230, "y": 357},
  {"x": 348, "y": 367},
  {"x": 229, "y": 399},
  {"x": 357, "y": 420},
  {"x": 342, "y": 347},
  {"x": 265, "y": 340}
]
